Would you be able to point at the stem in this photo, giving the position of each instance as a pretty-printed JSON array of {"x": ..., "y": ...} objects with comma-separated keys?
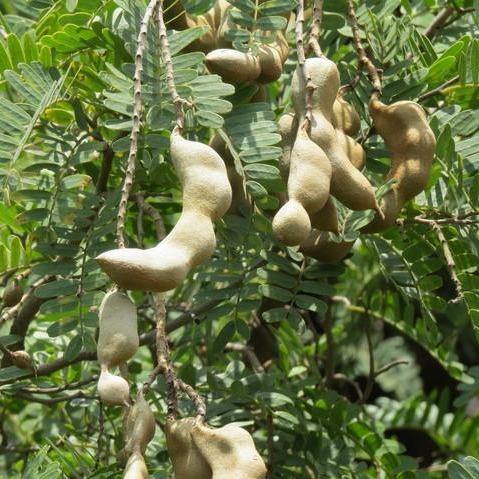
[
  {"x": 313, "y": 42},
  {"x": 137, "y": 113},
  {"x": 170, "y": 74},
  {"x": 363, "y": 59},
  {"x": 309, "y": 85}
]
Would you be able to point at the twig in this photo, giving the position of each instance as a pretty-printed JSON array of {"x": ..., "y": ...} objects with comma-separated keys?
[
  {"x": 330, "y": 351},
  {"x": 313, "y": 42},
  {"x": 372, "y": 374},
  {"x": 164, "y": 366},
  {"x": 170, "y": 74},
  {"x": 137, "y": 113},
  {"x": 439, "y": 20},
  {"x": 439, "y": 89},
  {"x": 309, "y": 85},
  {"x": 389, "y": 366},
  {"x": 249, "y": 353},
  {"x": 363, "y": 58},
  {"x": 451, "y": 264},
  {"x": 153, "y": 213},
  {"x": 459, "y": 220}
]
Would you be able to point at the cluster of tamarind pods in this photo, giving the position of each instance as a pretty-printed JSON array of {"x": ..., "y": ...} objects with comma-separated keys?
[{"x": 321, "y": 160}]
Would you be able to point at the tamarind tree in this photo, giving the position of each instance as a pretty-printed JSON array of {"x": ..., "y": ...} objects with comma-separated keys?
[{"x": 238, "y": 239}]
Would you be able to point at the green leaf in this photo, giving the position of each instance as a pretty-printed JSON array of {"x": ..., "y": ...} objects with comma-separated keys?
[{"x": 60, "y": 287}]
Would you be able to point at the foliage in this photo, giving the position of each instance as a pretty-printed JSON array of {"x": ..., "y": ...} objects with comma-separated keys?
[{"x": 326, "y": 403}]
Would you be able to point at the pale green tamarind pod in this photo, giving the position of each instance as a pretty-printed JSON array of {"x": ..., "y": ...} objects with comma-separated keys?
[
  {"x": 118, "y": 338},
  {"x": 117, "y": 342},
  {"x": 139, "y": 426},
  {"x": 348, "y": 184},
  {"x": 206, "y": 198},
  {"x": 136, "y": 467},
  {"x": 308, "y": 190},
  {"x": 403, "y": 126},
  {"x": 113, "y": 390}
]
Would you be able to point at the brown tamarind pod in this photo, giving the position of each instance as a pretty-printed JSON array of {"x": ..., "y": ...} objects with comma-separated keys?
[
  {"x": 233, "y": 66},
  {"x": 113, "y": 390},
  {"x": 139, "y": 426},
  {"x": 288, "y": 127},
  {"x": 403, "y": 126},
  {"x": 230, "y": 452},
  {"x": 271, "y": 64},
  {"x": 136, "y": 467},
  {"x": 348, "y": 184},
  {"x": 206, "y": 198},
  {"x": 240, "y": 199},
  {"x": 345, "y": 117},
  {"x": 12, "y": 294},
  {"x": 308, "y": 190},
  {"x": 118, "y": 338},
  {"x": 187, "y": 460},
  {"x": 354, "y": 151},
  {"x": 320, "y": 247}
]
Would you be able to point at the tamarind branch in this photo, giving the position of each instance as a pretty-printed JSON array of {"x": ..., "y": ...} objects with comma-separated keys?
[
  {"x": 153, "y": 213},
  {"x": 135, "y": 132},
  {"x": 363, "y": 59},
  {"x": 309, "y": 85},
  {"x": 170, "y": 74},
  {"x": 451, "y": 264},
  {"x": 313, "y": 42},
  {"x": 439, "y": 21}
]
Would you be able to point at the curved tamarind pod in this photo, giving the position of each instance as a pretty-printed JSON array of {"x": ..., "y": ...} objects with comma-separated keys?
[
  {"x": 233, "y": 66},
  {"x": 139, "y": 426},
  {"x": 348, "y": 184},
  {"x": 230, "y": 452},
  {"x": 308, "y": 190},
  {"x": 271, "y": 64},
  {"x": 354, "y": 151},
  {"x": 288, "y": 126},
  {"x": 136, "y": 468},
  {"x": 345, "y": 117},
  {"x": 118, "y": 338},
  {"x": 320, "y": 247},
  {"x": 187, "y": 460},
  {"x": 113, "y": 390},
  {"x": 240, "y": 199},
  {"x": 21, "y": 359},
  {"x": 403, "y": 126},
  {"x": 206, "y": 197}
]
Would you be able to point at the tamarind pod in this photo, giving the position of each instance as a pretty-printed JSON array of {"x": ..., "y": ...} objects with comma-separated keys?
[
  {"x": 308, "y": 190},
  {"x": 354, "y": 151},
  {"x": 136, "y": 468},
  {"x": 403, "y": 126},
  {"x": 188, "y": 462},
  {"x": 139, "y": 426},
  {"x": 271, "y": 64},
  {"x": 240, "y": 200},
  {"x": 288, "y": 127},
  {"x": 348, "y": 184},
  {"x": 12, "y": 294},
  {"x": 230, "y": 452},
  {"x": 326, "y": 219},
  {"x": 206, "y": 197},
  {"x": 320, "y": 247},
  {"x": 345, "y": 117},
  {"x": 118, "y": 338},
  {"x": 233, "y": 66},
  {"x": 113, "y": 390}
]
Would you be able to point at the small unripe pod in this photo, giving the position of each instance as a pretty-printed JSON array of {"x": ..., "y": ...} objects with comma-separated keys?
[
  {"x": 113, "y": 390},
  {"x": 139, "y": 426}
]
